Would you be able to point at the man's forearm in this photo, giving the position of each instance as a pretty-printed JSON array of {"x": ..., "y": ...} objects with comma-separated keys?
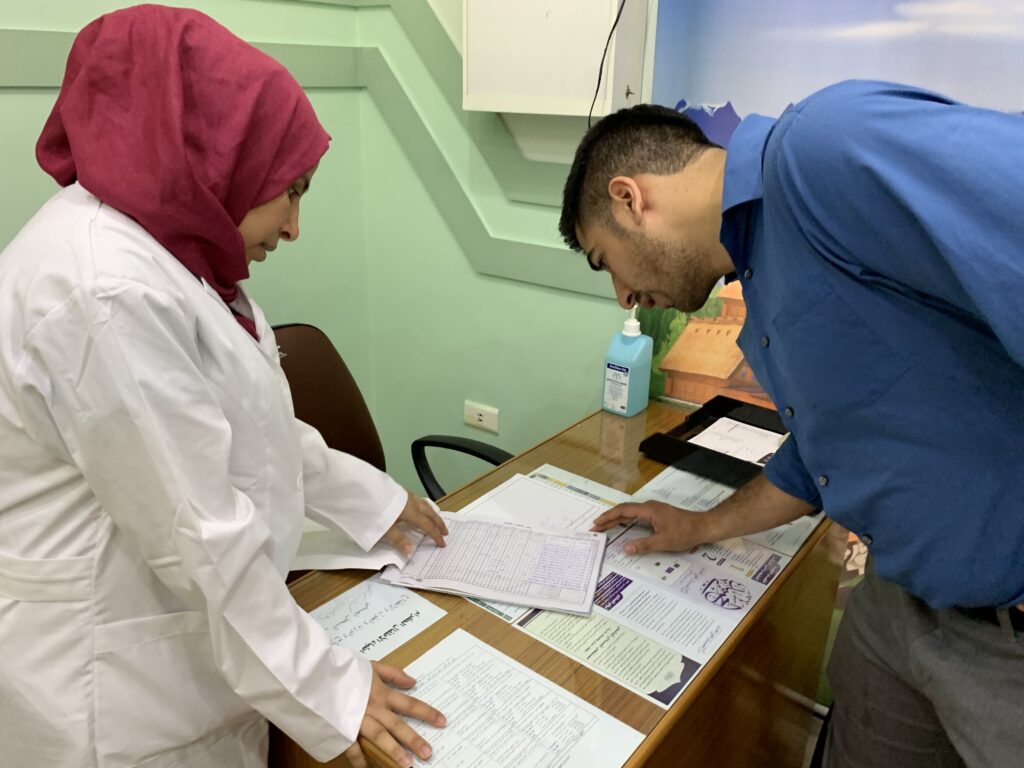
[{"x": 757, "y": 506}]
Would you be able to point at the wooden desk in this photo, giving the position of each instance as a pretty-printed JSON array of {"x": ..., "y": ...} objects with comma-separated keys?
[{"x": 739, "y": 712}]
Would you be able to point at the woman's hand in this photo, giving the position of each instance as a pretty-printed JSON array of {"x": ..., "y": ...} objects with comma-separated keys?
[
  {"x": 382, "y": 725},
  {"x": 419, "y": 515}
]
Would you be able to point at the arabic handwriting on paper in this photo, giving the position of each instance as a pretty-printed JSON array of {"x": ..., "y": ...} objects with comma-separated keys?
[
  {"x": 375, "y": 618},
  {"x": 501, "y": 713}
]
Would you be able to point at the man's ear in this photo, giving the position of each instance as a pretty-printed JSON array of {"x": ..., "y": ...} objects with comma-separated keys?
[{"x": 627, "y": 201}]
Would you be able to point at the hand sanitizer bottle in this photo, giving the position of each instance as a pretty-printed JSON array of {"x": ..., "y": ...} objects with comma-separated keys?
[{"x": 627, "y": 369}]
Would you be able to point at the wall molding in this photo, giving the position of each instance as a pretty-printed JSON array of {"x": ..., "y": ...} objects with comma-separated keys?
[{"x": 34, "y": 59}]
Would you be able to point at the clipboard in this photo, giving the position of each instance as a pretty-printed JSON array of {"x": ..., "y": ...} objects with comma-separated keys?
[{"x": 673, "y": 449}]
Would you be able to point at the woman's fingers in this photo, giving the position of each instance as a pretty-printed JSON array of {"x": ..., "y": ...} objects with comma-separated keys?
[
  {"x": 393, "y": 675},
  {"x": 404, "y": 704},
  {"x": 431, "y": 524},
  {"x": 397, "y": 538},
  {"x": 376, "y": 732},
  {"x": 404, "y": 734},
  {"x": 421, "y": 513},
  {"x": 355, "y": 756}
]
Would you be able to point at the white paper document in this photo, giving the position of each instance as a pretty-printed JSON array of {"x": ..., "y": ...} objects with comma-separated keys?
[
  {"x": 658, "y": 618},
  {"x": 788, "y": 537},
  {"x": 739, "y": 440},
  {"x": 684, "y": 490},
  {"x": 537, "y": 503},
  {"x": 580, "y": 486},
  {"x": 321, "y": 549},
  {"x": 504, "y": 715},
  {"x": 549, "y": 498},
  {"x": 374, "y": 618},
  {"x": 632, "y": 659},
  {"x": 330, "y": 549},
  {"x": 535, "y": 567}
]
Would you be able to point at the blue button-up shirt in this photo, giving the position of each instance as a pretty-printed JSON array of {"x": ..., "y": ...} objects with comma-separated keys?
[{"x": 878, "y": 231}]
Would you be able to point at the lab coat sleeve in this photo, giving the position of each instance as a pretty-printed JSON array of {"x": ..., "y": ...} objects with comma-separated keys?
[
  {"x": 117, "y": 370},
  {"x": 344, "y": 492}
]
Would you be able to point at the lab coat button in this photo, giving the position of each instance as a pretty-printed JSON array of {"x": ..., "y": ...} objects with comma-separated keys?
[
  {"x": 822, "y": 480},
  {"x": 764, "y": 341},
  {"x": 866, "y": 538},
  {"x": 748, "y": 273},
  {"x": 788, "y": 412}
]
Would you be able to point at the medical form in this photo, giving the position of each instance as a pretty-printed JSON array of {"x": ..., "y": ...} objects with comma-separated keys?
[{"x": 540, "y": 568}]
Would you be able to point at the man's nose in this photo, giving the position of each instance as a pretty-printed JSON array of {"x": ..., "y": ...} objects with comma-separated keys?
[{"x": 624, "y": 295}]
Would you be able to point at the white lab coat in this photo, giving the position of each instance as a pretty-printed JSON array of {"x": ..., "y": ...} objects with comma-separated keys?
[{"x": 153, "y": 480}]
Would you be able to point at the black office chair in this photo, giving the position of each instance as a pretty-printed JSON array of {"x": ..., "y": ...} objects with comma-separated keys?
[
  {"x": 475, "y": 448},
  {"x": 326, "y": 397}
]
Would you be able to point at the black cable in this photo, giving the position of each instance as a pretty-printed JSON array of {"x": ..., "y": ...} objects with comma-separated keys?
[{"x": 600, "y": 69}]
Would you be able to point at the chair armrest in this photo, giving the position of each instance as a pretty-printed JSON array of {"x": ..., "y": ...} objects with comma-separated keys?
[{"x": 475, "y": 448}]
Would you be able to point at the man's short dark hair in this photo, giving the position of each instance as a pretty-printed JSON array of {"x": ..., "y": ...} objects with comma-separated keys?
[{"x": 642, "y": 139}]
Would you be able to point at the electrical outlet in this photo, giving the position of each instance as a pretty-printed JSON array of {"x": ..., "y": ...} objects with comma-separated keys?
[{"x": 481, "y": 416}]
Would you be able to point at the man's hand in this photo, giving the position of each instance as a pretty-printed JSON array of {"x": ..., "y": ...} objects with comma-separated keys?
[
  {"x": 419, "y": 515},
  {"x": 382, "y": 725},
  {"x": 675, "y": 529},
  {"x": 755, "y": 507}
]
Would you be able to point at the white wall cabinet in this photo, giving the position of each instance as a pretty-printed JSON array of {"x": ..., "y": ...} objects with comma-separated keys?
[{"x": 541, "y": 56}]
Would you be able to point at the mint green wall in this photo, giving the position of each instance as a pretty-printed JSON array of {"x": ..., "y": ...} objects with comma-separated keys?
[
  {"x": 23, "y": 186},
  {"x": 443, "y": 333},
  {"x": 396, "y": 231}
]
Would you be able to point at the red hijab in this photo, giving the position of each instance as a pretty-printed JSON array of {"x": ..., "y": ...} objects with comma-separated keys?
[{"x": 171, "y": 119}]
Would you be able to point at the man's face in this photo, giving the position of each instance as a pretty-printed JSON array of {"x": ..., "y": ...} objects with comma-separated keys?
[
  {"x": 649, "y": 269},
  {"x": 277, "y": 219}
]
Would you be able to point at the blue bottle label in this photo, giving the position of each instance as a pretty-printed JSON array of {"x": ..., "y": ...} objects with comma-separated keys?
[{"x": 616, "y": 387}]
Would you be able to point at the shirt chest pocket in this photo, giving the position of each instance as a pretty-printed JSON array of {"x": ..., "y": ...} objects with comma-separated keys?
[{"x": 830, "y": 358}]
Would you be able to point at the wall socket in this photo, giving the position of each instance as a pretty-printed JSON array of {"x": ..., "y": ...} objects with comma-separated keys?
[{"x": 481, "y": 416}]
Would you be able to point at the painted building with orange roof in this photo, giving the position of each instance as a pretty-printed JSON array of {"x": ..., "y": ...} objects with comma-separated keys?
[{"x": 705, "y": 360}]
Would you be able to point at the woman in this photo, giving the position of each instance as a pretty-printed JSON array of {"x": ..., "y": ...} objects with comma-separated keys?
[{"x": 153, "y": 477}]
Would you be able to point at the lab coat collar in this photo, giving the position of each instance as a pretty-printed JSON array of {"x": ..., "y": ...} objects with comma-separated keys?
[{"x": 264, "y": 339}]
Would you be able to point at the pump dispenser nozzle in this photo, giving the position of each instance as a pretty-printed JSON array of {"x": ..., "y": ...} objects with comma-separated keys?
[{"x": 632, "y": 325}]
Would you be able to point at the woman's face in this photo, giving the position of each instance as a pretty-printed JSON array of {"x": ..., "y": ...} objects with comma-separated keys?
[{"x": 276, "y": 219}]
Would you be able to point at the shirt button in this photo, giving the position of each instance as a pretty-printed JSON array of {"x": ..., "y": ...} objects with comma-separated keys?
[
  {"x": 764, "y": 341},
  {"x": 748, "y": 273},
  {"x": 788, "y": 412},
  {"x": 822, "y": 480},
  {"x": 866, "y": 538}
]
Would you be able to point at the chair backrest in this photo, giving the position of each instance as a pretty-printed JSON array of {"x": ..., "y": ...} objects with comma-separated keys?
[{"x": 324, "y": 393}]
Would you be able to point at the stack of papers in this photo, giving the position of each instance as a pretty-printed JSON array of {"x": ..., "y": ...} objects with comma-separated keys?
[{"x": 540, "y": 568}]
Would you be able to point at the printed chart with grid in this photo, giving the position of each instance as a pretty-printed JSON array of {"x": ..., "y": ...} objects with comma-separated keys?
[{"x": 516, "y": 561}]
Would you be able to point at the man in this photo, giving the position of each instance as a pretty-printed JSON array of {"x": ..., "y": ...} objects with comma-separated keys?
[{"x": 878, "y": 233}]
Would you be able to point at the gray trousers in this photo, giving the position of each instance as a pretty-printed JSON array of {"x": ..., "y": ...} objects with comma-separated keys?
[{"x": 920, "y": 688}]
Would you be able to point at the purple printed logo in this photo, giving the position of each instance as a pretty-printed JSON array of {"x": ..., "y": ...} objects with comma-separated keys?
[{"x": 610, "y": 589}]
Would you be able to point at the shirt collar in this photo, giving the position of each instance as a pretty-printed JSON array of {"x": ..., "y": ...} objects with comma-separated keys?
[{"x": 743, "y": 161}]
